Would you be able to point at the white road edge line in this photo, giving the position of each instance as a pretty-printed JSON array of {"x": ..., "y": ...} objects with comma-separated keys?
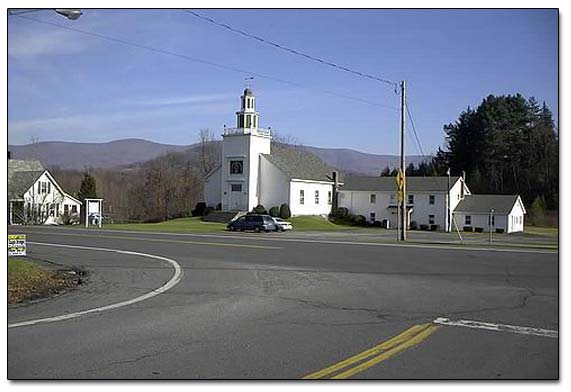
[
  {"x": 498, "y": 327},
  {"x": 167, "y": 286}
]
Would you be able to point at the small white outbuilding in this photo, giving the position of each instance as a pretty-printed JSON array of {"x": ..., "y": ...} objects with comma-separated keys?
[{"x": 497, "y": 212}]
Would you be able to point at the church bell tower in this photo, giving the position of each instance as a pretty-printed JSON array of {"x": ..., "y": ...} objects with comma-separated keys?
[{"x": 241, "y": 153}]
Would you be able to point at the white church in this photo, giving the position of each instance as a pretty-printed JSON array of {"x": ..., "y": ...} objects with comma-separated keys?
[{"x": 254, "y": 171}]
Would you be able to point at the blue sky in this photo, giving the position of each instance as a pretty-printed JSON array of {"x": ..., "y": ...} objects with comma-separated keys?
[{"x": 68, "y": 86}]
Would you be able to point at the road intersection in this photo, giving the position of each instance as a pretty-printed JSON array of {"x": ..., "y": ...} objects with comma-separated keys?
[{"x": 287, "y": 307}]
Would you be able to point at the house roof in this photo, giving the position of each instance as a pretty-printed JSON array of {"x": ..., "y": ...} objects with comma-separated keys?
[
  {"x": 388, "y": 184},
  {"x": 21, "y": 181},
  {"x": 18, "y": 165},
  {"x": 299, "y": 164},
  {"x": 502, "y": 204}
]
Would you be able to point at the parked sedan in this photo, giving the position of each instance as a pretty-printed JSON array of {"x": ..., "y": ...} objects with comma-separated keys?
[
  {"x": 253, "y": 222},
  {"x": 282, "y": 225}
]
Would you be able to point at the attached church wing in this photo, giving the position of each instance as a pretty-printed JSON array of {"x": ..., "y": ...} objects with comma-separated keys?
[{"x": 298, "y": 164}]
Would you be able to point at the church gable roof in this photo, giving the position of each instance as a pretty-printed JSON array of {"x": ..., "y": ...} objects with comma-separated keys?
[{"x": 299, "y": 164}]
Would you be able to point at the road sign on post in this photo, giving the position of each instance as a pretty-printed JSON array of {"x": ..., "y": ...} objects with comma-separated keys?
[
  {"x": 16, "y": 245},
  {"x": 399, "y": 179}
]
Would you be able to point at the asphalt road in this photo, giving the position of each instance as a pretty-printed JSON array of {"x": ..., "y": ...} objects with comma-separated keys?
[{"x": 269, "y": 306}]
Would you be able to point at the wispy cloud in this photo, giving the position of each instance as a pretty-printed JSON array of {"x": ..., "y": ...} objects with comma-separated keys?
[
  {"x": 196, "y": 99},
  {"x": 32, "y": 43}
]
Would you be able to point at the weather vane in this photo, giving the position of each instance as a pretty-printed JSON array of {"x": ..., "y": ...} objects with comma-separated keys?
[{"x": 248, "y": 81}]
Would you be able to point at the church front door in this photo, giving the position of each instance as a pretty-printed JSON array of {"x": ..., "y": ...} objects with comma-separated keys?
[{"x": 236, "y": 203}]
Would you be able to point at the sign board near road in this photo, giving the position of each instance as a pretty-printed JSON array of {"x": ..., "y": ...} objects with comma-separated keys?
[
  {"x": 400, "y": 195},
  {"x": 16, "y": 245}
]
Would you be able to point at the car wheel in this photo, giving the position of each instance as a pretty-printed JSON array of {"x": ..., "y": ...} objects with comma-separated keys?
[
  {"x": 257, "y": 229},
  {"x": 232, "y": 228}
]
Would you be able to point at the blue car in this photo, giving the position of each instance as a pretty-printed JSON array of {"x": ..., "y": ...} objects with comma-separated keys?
[{"x": 253, "y": 222}]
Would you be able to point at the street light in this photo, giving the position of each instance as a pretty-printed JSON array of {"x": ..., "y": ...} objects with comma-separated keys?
[{"x": 69, "y": 13}]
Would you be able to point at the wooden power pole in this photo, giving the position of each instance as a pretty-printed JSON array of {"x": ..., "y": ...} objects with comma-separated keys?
[{"x": 403, "y": 212}]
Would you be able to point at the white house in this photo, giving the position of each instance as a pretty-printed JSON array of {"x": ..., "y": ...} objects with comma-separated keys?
[
  {"x": 253, "y": 171},
  {"x": 34, "y": 196},
  {"x": 427, "y": 199},
  {"x": 496, "y": 212}
]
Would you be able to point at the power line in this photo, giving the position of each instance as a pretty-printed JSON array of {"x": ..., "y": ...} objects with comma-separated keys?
[
  {"x": 409, "y": 112},
  {"x": 293, "y": 51},
  {"x": 206, "y": 62}
]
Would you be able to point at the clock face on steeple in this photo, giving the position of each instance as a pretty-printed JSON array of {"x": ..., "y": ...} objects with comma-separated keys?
[{"x": 236, "y": 167}]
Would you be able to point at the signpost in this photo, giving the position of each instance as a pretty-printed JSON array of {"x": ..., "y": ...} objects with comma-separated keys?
[
  {"x": 16, "y": 245},
  {"x": 93, "y": 212}
]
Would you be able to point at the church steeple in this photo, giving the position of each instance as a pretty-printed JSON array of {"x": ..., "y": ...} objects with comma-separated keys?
[{"x": 247, "y": 118}]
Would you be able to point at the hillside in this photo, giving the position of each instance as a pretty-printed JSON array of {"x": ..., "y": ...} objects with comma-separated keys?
[{"x": 133, "y": 152}]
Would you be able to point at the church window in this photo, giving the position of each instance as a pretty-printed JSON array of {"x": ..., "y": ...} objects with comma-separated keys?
[
  {"x": 373, "y": 198},
  {"x": 329, "y": 197},
  {"x": 301, "y": 197},
  {"x": 431, "y": 219},
  {"x": 468, "y": 220},
  {"x": 431, "y": 199},
  {"x": 255, "y": 121},
  {"x": 316, "y": 197},
  {"x": 248, "y": 121},
  {"x": 236, "y": 167},
  {"x": 241, "y": 121},
  {"x": 236, "y": 187},
  {"x": 372, "y": 217}
]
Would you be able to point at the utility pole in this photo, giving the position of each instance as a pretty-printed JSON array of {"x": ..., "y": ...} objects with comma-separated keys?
[{"x": 403, "y": 214}]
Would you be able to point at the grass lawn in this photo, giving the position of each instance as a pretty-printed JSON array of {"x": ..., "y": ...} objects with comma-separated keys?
[
  {"x": 314, "y": 223},
  {"x": 544, "y": 231},
  {"x": 195, "y": 225},
  {"x": 27, "y": 280},
  {"x": 180, "y": 225}
]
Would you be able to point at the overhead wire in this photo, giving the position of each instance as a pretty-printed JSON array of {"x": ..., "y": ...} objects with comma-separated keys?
[
  {"x": 293, "y": 51},
  {"x": 202, "y": 61}
]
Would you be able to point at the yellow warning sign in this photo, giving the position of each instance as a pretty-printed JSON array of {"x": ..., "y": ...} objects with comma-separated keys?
[{"x": 400, "y": 179}]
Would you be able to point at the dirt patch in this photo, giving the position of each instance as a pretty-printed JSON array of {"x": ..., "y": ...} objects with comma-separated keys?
[{"x": 30, "y": 279}]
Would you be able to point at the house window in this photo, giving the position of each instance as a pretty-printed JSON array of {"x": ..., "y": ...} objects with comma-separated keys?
[
  {"x": 74, "y": 209},
  {"x": 431, "y": 199},
  {"x": 43, "y": 187},
  {"x": 468, "y": 220},
  {"x": 301, "y": 197},
  {"x": 373, "y": 199},
  {"x": 430, "y": 219},
  {"x": 236, "y": 167},
  {"x": 49, "y": 187},
  {"x": 316, "y": 197},
  {"x": 372, "y": 217},
  {"x": 392, "y": 199},
  {"x": 236, "y": 187},
  {"x": 329, "y": 197},
  {"x": 410, "y": 199}
]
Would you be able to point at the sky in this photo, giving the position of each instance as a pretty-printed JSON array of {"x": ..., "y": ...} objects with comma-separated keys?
[{"x": 66, "y": 85}]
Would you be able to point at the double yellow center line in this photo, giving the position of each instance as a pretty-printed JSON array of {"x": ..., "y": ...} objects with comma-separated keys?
[{"x": 368, "y": 358}]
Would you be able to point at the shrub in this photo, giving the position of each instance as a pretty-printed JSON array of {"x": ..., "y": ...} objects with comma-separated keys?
[
  {"x": 207, "y": 211},
  {"x": 434, "y": 227},
  {"x": 275, "y": 211},
  {"x": 413, "y": 225},
  {"x": 467, "y": 228},
  {"x": 260, "y": 209},
  {"x": 423, "y": 227},
  {"x": 341, "y": 212},
  {"x": 377, "y": 224},
  {"x": 199, "y": 209},
  {"x": 359, "y": 220},
  {"x": 218, "y": 206},
  {"x": 479, "y": 229},
  {"x": 499, "y": 230},
  {"x": 285, "y": 212}
]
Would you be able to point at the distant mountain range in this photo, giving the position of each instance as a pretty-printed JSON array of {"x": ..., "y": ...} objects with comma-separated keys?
[{"x": 68, "y": 155}]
